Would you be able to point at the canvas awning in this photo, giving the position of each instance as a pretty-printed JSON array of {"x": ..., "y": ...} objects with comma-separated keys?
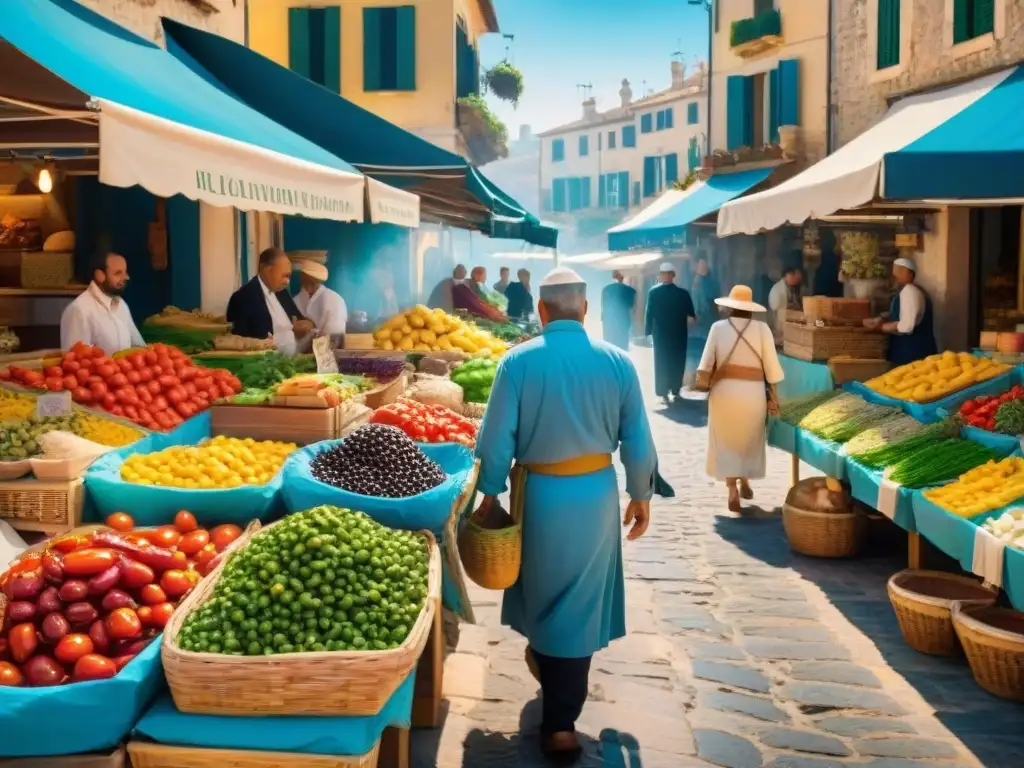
[
  {"x": 450, "y": 189},
  {"x": 921, "y": 148},
  {"x": 629, "y": 260},
  {"x": 76, "y": 80},
  {"x": 663, "y": 223}
]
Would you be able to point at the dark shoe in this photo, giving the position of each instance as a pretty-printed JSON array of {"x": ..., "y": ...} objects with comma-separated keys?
[
  {"x": 531, "y": 664},
  {"x": 746, "y": 491},
  {"x": 562, "y": 748}
]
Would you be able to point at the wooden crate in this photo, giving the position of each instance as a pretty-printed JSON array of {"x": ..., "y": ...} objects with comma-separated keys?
[
  {"x": 115, "y": 758},
  {"x": 385, "y": 393},
  {"x": 363, "y": 341},
  {"x": 46, "y": 506},
  {"x": 836, "y": 311},
  {"x": 261, "y": 422},
  {"x": 147, "y": 754},
  {"x": 817, "y": 343},
  {"x": 847, "y": 369}
]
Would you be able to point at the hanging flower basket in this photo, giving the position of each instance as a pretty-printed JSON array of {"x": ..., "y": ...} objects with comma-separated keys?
[{"x": 505, "y": 82}]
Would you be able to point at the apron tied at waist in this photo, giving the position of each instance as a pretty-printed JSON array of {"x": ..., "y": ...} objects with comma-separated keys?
[
  {"x": 580, "y": 465},
  {"x": 739, "y": 372}
]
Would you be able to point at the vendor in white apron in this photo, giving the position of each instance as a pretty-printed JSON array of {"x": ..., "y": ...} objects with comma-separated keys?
[{"x": 909, "y": 320}]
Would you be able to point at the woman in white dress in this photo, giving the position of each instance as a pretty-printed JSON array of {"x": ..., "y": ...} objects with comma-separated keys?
[{"x": 742, "y": 368}]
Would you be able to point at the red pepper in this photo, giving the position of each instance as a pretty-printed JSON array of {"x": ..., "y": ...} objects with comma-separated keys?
[{"x": 157, "y": 558}]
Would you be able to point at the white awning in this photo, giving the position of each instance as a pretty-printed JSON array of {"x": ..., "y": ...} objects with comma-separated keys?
[
  {"x": 629, "y": 260},
  {"x": 390, "y": 205},
  {"x": 587, "y": 259},
  {"x": 169, "y": 158},
  {"x": 849, "y": 177}
]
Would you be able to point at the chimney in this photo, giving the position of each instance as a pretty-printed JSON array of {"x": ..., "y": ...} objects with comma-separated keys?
[
  {"x": 525, "y": 133},
  {"x": 626, "y": 94},
  {"x": 589, "y": 109},
  {"x": 678, "y": 75}
]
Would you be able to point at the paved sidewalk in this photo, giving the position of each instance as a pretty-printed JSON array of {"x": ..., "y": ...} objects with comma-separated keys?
[{"x": 740, "y": 653}]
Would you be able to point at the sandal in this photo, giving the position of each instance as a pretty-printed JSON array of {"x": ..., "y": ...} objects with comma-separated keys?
[
  {"x": 562, "y": 748},
  {"x": 734, "y": 499},
  {"x": 746, "y": 492}
]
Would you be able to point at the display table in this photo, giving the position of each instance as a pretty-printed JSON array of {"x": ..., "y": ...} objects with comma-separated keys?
[{"x": 803, "y": 378}]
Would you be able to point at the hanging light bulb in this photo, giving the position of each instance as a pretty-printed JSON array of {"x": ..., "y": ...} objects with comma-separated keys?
[{"x": 45, "y": 182}]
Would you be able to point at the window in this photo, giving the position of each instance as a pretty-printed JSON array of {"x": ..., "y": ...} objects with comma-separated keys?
[
  {"x": 692, "y": 113},
  {"x": 757, "y": 105},
  {"x": 654, "y": 175},
  {"x": 584, "y": 146},
  {"x": 888, "y": 34},
  {"x": 613, "y": 190},
  {"x": 389, "y": 49},
  {"x": 557, "y": 151},
  {"x": 467, "y": 62},
  {"x": 669, "y": 120},
  {"x": 659, "y": 122},
  {"x": 636, "y": 193},
  {"x": 629, "y": 136},
  {"x": 671, "y": 169},
  {"x": 611, "y": 139},
  {"x": 646, "y": 123},
  {"x": 314, "y": 45},
  {"x": 971, "y": 19},
  {"x": 558, "y": 201}
]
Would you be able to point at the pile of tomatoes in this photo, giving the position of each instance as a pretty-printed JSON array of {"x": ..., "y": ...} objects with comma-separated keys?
[
  {"x": 981, "y": 411},
  {"x": 157, "y": 387},
  {"x": 88, "y": 604},
  {"x": 427, "y": 423}
]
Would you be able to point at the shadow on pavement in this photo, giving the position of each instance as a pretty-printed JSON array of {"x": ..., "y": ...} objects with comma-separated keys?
[
  {"x": 988, "y": 726},
  {"x": 687, "y": 410}
]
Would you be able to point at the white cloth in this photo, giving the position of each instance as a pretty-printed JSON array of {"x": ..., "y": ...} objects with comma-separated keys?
[
  {"x": 284, "y": 334},
  {"x": 325, "y": 309},
  {"x": 911, "y": 308},
  {"x": 101, "y": 320},
  {"x": 738, "y": 410},
  {"x": 778, "y": 303},
  {"x": 888, "y": 495},
  {"x": 987, "y": 559}
]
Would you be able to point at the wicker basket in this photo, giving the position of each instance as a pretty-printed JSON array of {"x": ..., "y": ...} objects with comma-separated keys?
[
  {"x": 114, "y": 758},
  {"x": 492, "y": 557},
  {"x": 310, "y": 683},
  {"x": 46, "y": 506},
  {"x": 924, "y": 600},
  {"x": 146, "y": 754},
  {"x": 993, "y": 639},
  {"x": 847, "y": 369},
  {"x": 47, "y": 270},
  {"x": 823, "y": 534},
  {"x": 812, "y": 342},
  {"x": 836, "y": 311}
]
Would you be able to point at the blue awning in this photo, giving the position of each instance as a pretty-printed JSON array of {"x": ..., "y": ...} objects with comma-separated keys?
[
  {"x": 977, "y": 153},
  {"x": 450, "y": 189},
  {"x": 163, "y": 123},
  {"x": 663, "y": 223}
]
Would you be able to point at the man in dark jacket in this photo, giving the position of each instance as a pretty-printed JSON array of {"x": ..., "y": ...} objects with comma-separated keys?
[
  {"x": 262, "y": 307},
  {"x": 669, "y": 311},
  {"x": 520, "y": 300},
  {"x": 617, "y": 303}
]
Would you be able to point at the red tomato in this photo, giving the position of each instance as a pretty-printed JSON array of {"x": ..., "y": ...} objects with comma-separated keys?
[
  {"x": 154, "y": 387},
  {"x": 185, "y": 522},
  {"x": 150, "y": 357},
  {"x": 180, "y": 560},
  {"x": 223, "y": 535},
  {"x": 145, "y": 375},
  {"x": 72, "y": 647},
  {"x": 54, "y": 383},
  {"x": 135, "y": 575},
  {"x": 188, "y": 373},
  {"x": 120, "y": 521},
  {"x": 81, "y": 395},
  {"x": 163, "y": 421},
  {"x": 165, "y": 363},
  {"x": 23, "y": 640},
  {"x": 133, "y": 377},
  {"x": 166, "y": 536},
  {"x": 82, "y": 375},
  {"x": 152, "y": 594},
  {"x": 117, "y": 410},
  {"x": 131, "y": 412},
  {"x": 92, "y": 666},
  {"x": 53, "y": 370},
  {"x": 193, "y": 541},
  {"x": 106, "y": 370},
  {"x": 117, "y": 381},
  {"x": 69, "y": 382},
  {"x": 109, "y": 401},
  {"x": 10, "y": 675},
  {"x": 98, "y": 389},
  {"x": 123, "y": 624},
  {"x": 175, "y": 584},
  {"x": 67, "y": 544},
  {"x": 145, "y": 614},
  {"x": 162, "y": 614},
  {"x": 89, "y": 561},
  {"x": 122, "y": 661},
  {"x": 205, "y": 555}
]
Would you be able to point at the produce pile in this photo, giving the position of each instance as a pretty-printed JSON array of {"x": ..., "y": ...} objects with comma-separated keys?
[
  {"x": 190, "y": 331},
  {"x": 259, "y": 371},
  {"x": 326, "y": 579},
  {"x": 380, "y": 368},
  {"x": 890, "y": 430},
  {"x": 795, "y": 409},
  {"x": 510, "y": 331},
  {"x": 87, "y": 605},
  {"x": 221, "y": 462},
  {"x": 476, "y": 378},
  {"x": 838, "y": 418},
  {"x": 331, "y": 388},
  {"x": 15, "y": 405},
  {"x": 378, "y": 460},
  {"x": 866, "y": 417},
  {"x": 982, "y": 489},
  {"x": 9, "y": 341},
  {"x": 936, "y": 376},
  {"x": 229, "y": 342},
  {"x": 198, "y": 547},
  {"x": 427, "y": 423},
  {"x": 158, "y": 387},
  {"x": 1008, "y": 527},
  {"x": 996, "y": 413},
  {"x": 21, "y": 439},
  {"x": 433, "y": 330}
]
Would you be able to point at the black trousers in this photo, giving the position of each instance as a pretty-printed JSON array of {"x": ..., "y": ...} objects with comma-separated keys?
[{"x": 564, "y": 683}]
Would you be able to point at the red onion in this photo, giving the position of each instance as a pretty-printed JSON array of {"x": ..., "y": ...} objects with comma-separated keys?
[
  {"x": 81, "y": 613},
  {"x": 49, "y": 601},
  {"x": 105, "y": 581},
  {"x": 20, "y": 611},
  {"x": 43, "y": 671},
  {"x": 72, "y": 590},
  {"x": 117, "y": 598},
  {"x": 55, "y": 627}
]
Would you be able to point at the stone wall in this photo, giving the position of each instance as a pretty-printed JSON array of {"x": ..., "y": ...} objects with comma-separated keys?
[
  {"x": 223, "y": 17},
  {"x": 860, "y": 93}
]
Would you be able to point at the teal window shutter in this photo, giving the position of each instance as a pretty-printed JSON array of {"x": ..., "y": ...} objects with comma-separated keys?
[
  {"x": 602, "y": 194},
  {"x": 389, "y": 49},
  {"x": 405, "y": 48},
  {"x": 332, "y": 49},
  {"x": 636, "y": 193},
  {"x": 623, "y": 189},
  {"x": 660, "y": 120},
  {"x": 298, "y": 40},
  {"x": 371, "y": 49},
  {"x": 983, "y": 17},
  {"x": 671, "y": 169},
  {"x": 629, "y": 136},
  {"x": 646, "y": 124},
  {"x": 651, "y": 168},
  {"x": 584, "y": 146},
  {"x": 669, "y": 120},
  {"x": 692, "y": 113},
  {"x": 773, "y": 106},
  {"x": 585, "y": 192},
  {"x": 789, "y": 92},
  {"x": 961, "y": 21},
  {"x": 557, "y": 150},
  {"x": 737, "y": 115},
  {"x": 888, "y": 34},
  {"x": 575, "y": 193},
  {"x": 693, "y": 154},
  {"x": 558, "y": 195},
  {"x": 611, "y": 139}
]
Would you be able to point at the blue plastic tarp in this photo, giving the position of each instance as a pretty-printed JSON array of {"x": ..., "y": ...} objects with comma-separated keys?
[
  {"x": 803, "y": 378},
  {"x": 342, "y": 736}
]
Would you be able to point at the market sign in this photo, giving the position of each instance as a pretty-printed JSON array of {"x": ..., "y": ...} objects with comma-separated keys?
[
  {"x": 169, "y": 158},
  {"x": 389, "y": 205}
]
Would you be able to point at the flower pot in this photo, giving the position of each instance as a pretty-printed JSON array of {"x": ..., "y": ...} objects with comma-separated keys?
[
  {"x": 865, "y": 287},
  {"x": 791, "y": 139}
]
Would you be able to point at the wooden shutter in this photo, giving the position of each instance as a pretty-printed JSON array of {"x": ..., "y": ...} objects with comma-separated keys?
[
  {"x": 961, "y": 21},
  {"x": 773, "y": 106},
  {"x": 645, "y": 123},
  {"x": 602, "y": 194},
  {"x": 585, "y": 192},
  {"x": 737, "y": 108},
  {"x": 636, "y": 193},
  {"x": 671, "y": 168},
  {"x": 692, "y": 113},
  {"x": 660, "y": 122},
  {"x": 298, "y": 40},
  {"x": 557, "y": 150},
  {"x": 558, "y": 195},
  {"x": 888, "y": 34},
  {"x": 371, "y": 49},
  {"x": 623, "y": 189},
  {"x": 575, "y": 193},
  {"x": 983, "y": 17},
  {"x": 789, "y": 92},
  {"x": 332, "y": 48},
  {"x": 611, "y": 139},
  {"x": 669, "y": 119},
  {"x": 405, "y": 48},
  {"x": 629, "y": 136},
  {"x": 584, "y": 146},
  {"x": 651, "y": 167}
]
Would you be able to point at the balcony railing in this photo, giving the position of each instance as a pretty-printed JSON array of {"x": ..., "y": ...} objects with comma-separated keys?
[{"x": 748, "y": 37}]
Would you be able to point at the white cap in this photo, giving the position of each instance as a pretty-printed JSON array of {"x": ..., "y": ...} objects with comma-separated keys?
[
  {"x": 906, "y": 264},
  {"x": 314, "y": 269},
  {"x": 561, "y": 276},
  {"x": 666, "y": 266}
]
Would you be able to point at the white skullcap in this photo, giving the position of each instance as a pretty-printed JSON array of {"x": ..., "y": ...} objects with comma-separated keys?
[
  {"x": 561, "y": 276},
  {"x": 666, "y": 266},
  {"x": 314, "y": 269},
  {"x": 906, "y": 264}
]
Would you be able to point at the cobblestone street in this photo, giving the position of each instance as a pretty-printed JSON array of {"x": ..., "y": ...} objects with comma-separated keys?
[{"x": 739, "y": 654}]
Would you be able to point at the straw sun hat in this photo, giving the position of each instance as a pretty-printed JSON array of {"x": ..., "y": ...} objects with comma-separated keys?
[{"x": 741, "y": 298}]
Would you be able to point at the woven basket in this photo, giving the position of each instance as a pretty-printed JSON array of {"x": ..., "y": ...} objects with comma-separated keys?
[
  {"x": 145, "y": 754},
  {"x": 492, "y": 557},
  {"x": 823, "y": 534},
  {"x": 993, "y": 639},
  {"x": 924, "y": 600},
  {"x": 811, "y": 342},
  {"x": 47, "y": 270},
  {"x": 311, "y": 683},
  {"x": 114, "y": 758},
  {"x": 847, "y": 369}
]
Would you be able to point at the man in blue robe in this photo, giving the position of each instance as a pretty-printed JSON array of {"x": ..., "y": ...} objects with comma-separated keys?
[
  {"x": 669, "y": 312},
  {"x": 560, "y": 406},
  {"x": 617, "y": 303}
]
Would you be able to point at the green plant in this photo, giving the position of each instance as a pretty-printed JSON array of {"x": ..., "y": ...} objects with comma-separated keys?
[
  {"x": 687, "y": 181},
  {"x": 505, "y": 81},
  {"x": 755, "y": 27},
  {"x": 490, "y": 121}
]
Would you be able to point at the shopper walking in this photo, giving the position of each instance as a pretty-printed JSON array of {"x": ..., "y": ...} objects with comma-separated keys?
[
  {"x": 740, "y": 368},
  {"x": 560, "y": 406},
  {"x": 617, "y": 303},
  {"x": 669, "y": 312}
]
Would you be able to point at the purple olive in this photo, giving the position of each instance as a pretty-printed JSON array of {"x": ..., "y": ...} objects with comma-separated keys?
[
  {"x": 117, "y": 598},
  {"x": 53, "y": 567},
  {"x": 81, "y": 613},
  {"x": 25, "y": 586},
  {"x": 49, "y": 601},
  {"x": 72, "y": 590},
  {"x": 21, "y": 611},
  {"x": 55, "y": 627},
  {"x": 103, "y": 582}
]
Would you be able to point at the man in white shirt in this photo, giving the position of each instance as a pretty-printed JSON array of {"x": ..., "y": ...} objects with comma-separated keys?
[
  {"x": 324, "y": 308},
  {"x": 909, "y": 320},
  {"x": 100, "y": 316},
  {"x": 785, "y": 295},
  {"x": 263, "y": 308}
]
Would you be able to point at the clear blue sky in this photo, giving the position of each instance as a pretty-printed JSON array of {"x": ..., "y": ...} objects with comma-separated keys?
[{"x": 559, "y": 43}]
